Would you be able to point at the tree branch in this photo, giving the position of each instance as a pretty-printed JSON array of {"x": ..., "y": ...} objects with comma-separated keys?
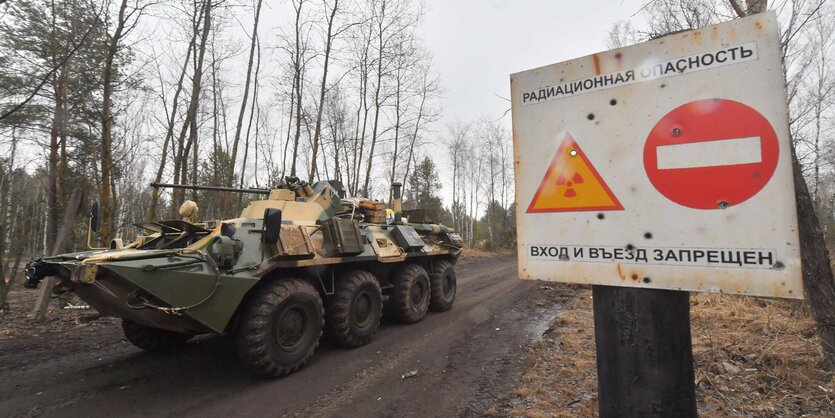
[{"x": 51, "y": 71}]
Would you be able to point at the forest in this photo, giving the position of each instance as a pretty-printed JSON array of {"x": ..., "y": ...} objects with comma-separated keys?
[{"x": 98, "y": 98}]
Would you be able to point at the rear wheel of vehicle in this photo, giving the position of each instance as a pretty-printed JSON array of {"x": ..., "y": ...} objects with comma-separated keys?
[
  {"x": 442, "y": 287},
  {"x": 153, "y": 339},
  {"x": 411, "y": 293},
  {"x": 280, "y": 328},
  {"x": 354, "y": 310}
]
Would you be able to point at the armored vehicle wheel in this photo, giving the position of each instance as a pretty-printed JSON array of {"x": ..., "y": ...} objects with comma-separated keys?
[
  {"x": 442, "y": 287},
  {"x": 153, "y": 339},
  {"x": 411, "y": 293},
  {"x": 280, "y": 328},
  {"x": 354, "y": 310}
]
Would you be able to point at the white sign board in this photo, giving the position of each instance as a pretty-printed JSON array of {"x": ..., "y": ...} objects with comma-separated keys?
[{"x": 663, "y": 165}]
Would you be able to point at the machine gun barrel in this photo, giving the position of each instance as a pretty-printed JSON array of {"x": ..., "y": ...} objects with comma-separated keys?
[{"x": 213, "y": 188}]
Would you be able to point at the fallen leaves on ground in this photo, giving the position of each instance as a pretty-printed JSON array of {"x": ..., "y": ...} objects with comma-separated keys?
[{"x": 753, "y": 357}]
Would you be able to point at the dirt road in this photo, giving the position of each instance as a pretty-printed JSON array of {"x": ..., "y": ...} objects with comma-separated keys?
[{"x": 463, "y": 358}]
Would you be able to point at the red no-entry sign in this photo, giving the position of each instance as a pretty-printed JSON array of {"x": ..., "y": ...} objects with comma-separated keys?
[{"x": 711, "y": 154}]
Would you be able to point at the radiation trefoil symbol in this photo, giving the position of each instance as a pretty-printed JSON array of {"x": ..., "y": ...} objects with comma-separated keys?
[
  {"x": 572, "y": 184},
  {"x": 569, "y": 184}
]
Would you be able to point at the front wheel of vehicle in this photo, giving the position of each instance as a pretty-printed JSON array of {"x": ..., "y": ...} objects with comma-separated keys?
[{"x": 280, "y": 328}]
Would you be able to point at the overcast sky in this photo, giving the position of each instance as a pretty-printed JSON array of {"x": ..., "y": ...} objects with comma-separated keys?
[{"x": 477, "y": 44}]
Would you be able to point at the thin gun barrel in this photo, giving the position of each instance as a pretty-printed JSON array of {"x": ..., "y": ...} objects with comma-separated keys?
[{"x": 213, "y": 188}]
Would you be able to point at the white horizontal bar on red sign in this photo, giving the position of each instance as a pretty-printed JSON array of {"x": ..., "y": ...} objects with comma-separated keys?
[{"x": 715, "y": 153}]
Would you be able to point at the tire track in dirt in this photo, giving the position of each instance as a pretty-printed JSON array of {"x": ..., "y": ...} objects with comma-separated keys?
[{"x": 344, "y": 394}]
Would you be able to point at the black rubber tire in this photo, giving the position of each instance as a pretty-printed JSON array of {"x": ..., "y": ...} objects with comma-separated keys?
[
  {"x": 410, "y": 299},
  {"x": 279, "y": 328},
  {"x": 442, "y": 285},
  {"x": 354, "y": 310},
  {"x": 153, "y": 339}
]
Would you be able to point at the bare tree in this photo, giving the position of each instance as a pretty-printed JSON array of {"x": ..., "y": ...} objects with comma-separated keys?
[
  {"x": 427, "y": 88},
  {"x": 362, "y": 44},
  {"x": 7, "y": 205},
  {"x": 252, "y": 47},
  {"x": 456, "y": 143},
  {"x": 125, "y": 23},
  {"x": 300, "y": 57},
  {"x": 384, "y": 22},
  {"x": 169, "y": 135},
  {"x": 330, "y": 36},
  {"x": 190, "y": 122}
]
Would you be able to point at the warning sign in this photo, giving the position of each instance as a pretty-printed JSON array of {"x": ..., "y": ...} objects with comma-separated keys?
[
  {"x": 711, "y": 154},
  {"x": 665, "y": 165},
  {"x": 572, "y": 184}
]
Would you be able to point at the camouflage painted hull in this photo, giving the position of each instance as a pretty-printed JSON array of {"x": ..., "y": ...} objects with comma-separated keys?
[
  {"x": 170, "y": 290},
  {"x": 184, "y": 291},
  {"x": 192, "y": 278}
]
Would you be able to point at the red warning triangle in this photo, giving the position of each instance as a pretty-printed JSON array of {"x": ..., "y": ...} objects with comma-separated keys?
[{"x": 572, "y": 184}]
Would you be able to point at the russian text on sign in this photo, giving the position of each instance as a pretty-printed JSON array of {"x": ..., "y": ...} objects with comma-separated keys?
[
  {"x": 655, "y": 71},
  {"x": 705, "y": 257}
]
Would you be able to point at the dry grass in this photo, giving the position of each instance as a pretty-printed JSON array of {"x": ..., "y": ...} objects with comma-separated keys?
[
  {"x": 754, "y": 357},
  {"x": 758, "y": 357}
]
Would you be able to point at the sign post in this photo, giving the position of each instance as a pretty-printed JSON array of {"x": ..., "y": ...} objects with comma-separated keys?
[
  {"x": 644, "y": 352},
  {"x": 651, "y": 171}
]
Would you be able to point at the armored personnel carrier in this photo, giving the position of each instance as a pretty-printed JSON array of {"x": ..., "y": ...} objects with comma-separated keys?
[{"x": 298, "y": 263}]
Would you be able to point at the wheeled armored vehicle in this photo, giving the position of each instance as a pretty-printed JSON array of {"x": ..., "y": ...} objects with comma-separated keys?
[{"x": 298, "y": 263}]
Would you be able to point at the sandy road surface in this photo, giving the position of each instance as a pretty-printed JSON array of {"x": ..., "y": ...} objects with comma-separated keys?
[{"x": 464, "y": 359}]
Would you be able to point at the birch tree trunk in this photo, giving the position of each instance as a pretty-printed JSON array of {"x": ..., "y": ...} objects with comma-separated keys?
[
  {"x": 297, "y": 84},
  {"x": 169, "y": 134},
  {"x": 238, "y": 126},
  {"x": 190, "y": 122},
  {"x": 322, "y": 89}
]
